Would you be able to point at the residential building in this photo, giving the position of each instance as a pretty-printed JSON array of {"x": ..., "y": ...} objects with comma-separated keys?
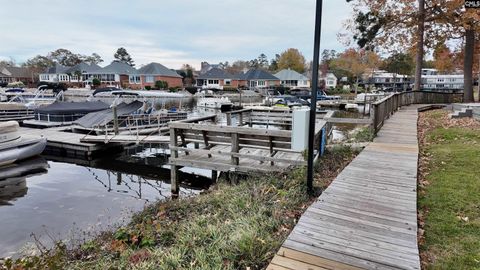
[
  {"x": 153, "y": 72},
  {"x": 331, "y": 81},
  {"x": 443, "y": 83},
  {"x": 386, "y": 81},
  {"x": 79, "y": 73},
  {"x": 259, "y": 78},
  {"x": 205, "y": 67},
  {"x": 17, "y": 74},
  {"x": 293, "y": 79},
  {"x": 116, "y": 74},
  {"x": 217, "y": 78},
  {"x": 56, "y": 73}
]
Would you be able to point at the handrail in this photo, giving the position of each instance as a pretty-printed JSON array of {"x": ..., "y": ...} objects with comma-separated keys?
[{"x": 385, "y": 107}]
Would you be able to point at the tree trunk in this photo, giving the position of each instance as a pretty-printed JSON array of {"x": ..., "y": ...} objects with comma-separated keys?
[
  {"x": 420, "y": 49},
  {"x": 468, "y": 65}
]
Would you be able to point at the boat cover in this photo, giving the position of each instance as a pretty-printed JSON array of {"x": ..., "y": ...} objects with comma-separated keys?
[
  {"x": 7, "y": 127},
  {"x": 68, "y": 108},
  {"x": 102, "y": 117}
]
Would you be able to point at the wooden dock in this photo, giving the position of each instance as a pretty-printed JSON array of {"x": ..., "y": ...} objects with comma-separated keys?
[
  {"x": 62, "y": 140},
  {"x": 367, "y": 218}
]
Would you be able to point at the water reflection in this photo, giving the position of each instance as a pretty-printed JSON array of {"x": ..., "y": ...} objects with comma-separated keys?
[
  {"x": 81, "y": 195},
  {"x": 13, "y": 183}
]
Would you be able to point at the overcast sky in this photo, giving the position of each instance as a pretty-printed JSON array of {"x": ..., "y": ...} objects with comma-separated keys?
[{"x": 172, "y": 32}]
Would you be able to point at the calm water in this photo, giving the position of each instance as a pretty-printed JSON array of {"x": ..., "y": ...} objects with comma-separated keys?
[{"x": 59, "y": 200}]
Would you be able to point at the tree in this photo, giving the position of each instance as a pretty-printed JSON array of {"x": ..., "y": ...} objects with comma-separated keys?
[
  {"x": 274, "y": 63},
  {"x": 187, "y": 74},
  {"x": 237, "y": 67},
  {"x": 400, "y": 63},
  {"x": 444, "y": 59},
  {"x": 96, "y": 82},
  {"x": 262, "y": 61},
  {"x": 65, "y": 57},
  {"x": 292, "y": 59},
  {"x": 8, "y": 63},
  {"x": 122, "y": 56},
  {"x": 94, "y": 59},
  {"x": 357, "y": 62}
]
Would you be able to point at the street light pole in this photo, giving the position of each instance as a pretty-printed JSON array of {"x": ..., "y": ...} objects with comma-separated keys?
[{"x": 313, "y": 103}]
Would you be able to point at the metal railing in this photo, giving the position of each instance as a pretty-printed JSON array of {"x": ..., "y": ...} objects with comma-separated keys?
[{"x": 385, "y": 107}]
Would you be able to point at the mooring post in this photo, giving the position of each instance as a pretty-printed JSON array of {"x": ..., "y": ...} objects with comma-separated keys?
[
  {"x": 115, "y": 120},
  {"x": 214, "y": 176},
  {"x": 174, "y": 169},
  {"x": 229, "y": 119}
]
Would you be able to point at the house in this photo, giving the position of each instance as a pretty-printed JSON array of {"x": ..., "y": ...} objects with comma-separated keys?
[
  {"x": 56, "y": 73},
  {"x": 387, "y": 81},
  {"x": 79, "y": 73},
  {"x": 116, "y": 74},
  {"x": 443, "y": 83},
  {"x": 17, "y": 74},
  {"x": 331, "y": 81},
  {"x": 153, "y": 72},
  {"x": 259, "y": 78},
  {"x": 217, "y": 78},
  {"x": 291, "y": 78}
]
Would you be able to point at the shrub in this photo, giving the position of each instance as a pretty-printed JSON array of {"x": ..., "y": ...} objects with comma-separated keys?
[
  {"x": 191, "y": 89},
  {"x": 96, "y": 82},
  {"x": 148, "y": 87},
  {"x": 16, "y": 84},
  {"x": 161, "y": 85},
  {"x": 282, "y": 89},
  {"x": 230, "y": 88},
  {"x": 173, "y": 89}
]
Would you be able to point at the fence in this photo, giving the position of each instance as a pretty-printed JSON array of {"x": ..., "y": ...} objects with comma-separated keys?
[{"x": 383, "y": 108}]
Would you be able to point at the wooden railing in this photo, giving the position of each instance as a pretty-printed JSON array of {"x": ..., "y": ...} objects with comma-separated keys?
[{"x": 385, "y": 107}]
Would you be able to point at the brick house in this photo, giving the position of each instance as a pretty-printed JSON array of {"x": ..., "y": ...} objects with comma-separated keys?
[
  {"x": 217, "y": 78},
  {"x": 18, "y": 74},
  {"x": 149, "y": 74}
]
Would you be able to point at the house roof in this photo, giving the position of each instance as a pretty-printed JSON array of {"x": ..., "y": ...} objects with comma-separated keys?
[
  {"x": 217, "y": 73},
  {"x": 290, "y": 75},
  {"x": 56, "y": 69},
  {"x": 84, "y": 68},
  {"x": 157, "y": 69},
  {"x": 116, "y": 68},
  {"x": 16, "y": 72},
  {"x": 258, "y": 74}
]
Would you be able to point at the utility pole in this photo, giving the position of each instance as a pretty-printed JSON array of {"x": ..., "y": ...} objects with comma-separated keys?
[{"x": 313, "y": 103}]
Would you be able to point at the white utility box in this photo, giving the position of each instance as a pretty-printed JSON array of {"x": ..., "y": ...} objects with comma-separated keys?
[{"x": 300, "y": 123}]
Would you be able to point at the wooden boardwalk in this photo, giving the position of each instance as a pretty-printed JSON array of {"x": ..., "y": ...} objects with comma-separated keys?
[{"x": 367, "y": 218}]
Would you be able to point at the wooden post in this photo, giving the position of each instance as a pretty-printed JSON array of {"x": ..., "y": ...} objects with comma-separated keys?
[
  {"x": 174, "y": 169},
  {"x": 235, "y": 148},
  {"x": 270, "y": 143},
  {"x": 115, "y": 120},
  {"x": 214, "y": 176},
  {"x": 229, "y": 119},
  {"x": 240, "y": 121}
]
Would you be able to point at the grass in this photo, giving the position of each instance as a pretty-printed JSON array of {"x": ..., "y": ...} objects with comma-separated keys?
[
  {"x": 229, "y": 227},
  {"x": 449, "y": 192}
]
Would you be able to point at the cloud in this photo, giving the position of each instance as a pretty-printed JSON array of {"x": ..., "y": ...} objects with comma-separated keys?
[{"x": 169, "y": 31}]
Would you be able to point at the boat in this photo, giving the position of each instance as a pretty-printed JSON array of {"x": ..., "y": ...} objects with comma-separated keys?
[
  {"x": 221, "y": 103},
  {"x": 14, "y": 147},
  {"x": 369, "y": 97},
  {"x": 351, "y": 107},
  {"x": 290, "y": 101}
]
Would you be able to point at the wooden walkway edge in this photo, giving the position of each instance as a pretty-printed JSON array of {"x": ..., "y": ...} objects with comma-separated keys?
[{"x": 367, "y": 218}]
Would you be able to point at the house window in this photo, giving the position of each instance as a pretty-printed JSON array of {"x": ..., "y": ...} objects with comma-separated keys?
[
  {"x": 213, "y": 82},
  {"x": 228, "y": 82},
  {"x": 261, "y": 83},
  {"x": 134, "y": 79},
  {"x": 149, "y": 79}
]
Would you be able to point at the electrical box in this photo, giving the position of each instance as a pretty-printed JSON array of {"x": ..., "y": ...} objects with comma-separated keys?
[{"x": 300, "y": 124}]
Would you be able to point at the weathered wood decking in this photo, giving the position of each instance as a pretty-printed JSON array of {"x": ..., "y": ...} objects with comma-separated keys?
[{"x": 367, "y": 218}]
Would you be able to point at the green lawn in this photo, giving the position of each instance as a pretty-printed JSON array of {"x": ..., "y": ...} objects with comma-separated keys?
[{"x": 450, "y": 199}]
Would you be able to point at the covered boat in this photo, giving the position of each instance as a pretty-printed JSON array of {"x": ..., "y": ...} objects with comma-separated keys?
[
  {"x": 14, "y": 147},
  {"x": 66, "y": 112}
]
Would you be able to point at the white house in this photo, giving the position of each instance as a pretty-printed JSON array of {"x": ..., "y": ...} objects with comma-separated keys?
[
  {"x": 291, "y": 78},
  {"x": 57, "y": 73},
  {"x": 438, "y": 82},
  {"x": 330, "y": 79}
]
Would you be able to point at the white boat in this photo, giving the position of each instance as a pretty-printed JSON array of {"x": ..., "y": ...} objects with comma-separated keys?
[
  {"x": 13, "y": 147},
  {"x": 369, "y": 97},
  {"x": 351, "y": 107},
  {"x": 222, "y": 103}
]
